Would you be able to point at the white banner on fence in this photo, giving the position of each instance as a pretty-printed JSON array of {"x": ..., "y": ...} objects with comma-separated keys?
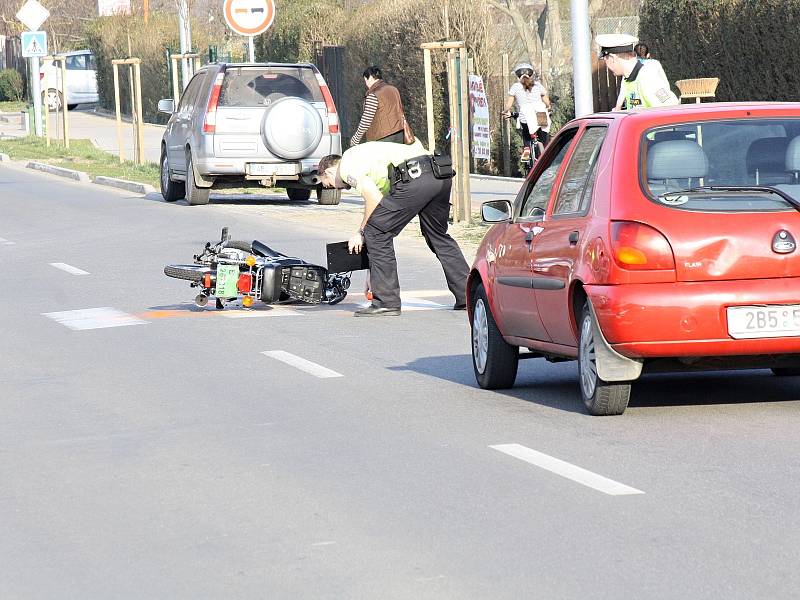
[
  {"x": 107, "y": 8},
  {"x": 481, "y": 137}
]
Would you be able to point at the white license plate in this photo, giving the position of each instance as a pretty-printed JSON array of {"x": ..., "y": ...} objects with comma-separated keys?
[
  {"x": 273, "y": 169},
  {"x": 764, "y": 321}
]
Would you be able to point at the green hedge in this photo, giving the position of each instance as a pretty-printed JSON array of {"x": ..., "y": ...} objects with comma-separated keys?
[
  {"x": 108, "y": 37},
  {"x": 11, "y": 85},
  {"x": 749, "y": 44}
]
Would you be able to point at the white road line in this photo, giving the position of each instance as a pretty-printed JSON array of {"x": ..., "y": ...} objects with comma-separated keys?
[
  {"x": 94, "y": 318},
  {"x": 5, "y": 242},
  {"x": 302, "y": 364},
  {"x": 568, "y": 470},
  {"x": 69, "y": 268}
]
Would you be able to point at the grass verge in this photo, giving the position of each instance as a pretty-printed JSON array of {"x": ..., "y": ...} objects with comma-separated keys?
[
  {"x": 11, "y": 106},
  {"x": 81, "y": 156}
]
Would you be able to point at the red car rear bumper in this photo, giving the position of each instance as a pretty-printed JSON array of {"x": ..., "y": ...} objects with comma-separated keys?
[{"x": 688, "y": 318}]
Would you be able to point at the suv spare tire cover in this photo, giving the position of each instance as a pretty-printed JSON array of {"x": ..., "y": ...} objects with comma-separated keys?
[{"x": 292, "y": 128}]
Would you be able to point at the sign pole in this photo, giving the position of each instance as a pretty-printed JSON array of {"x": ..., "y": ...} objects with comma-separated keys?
[
  {"x": 36, "y": 90},
  {"x": 251, "y": 50}
]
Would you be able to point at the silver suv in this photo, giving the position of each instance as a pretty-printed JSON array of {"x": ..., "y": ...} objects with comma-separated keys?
[{"x": 240, "y": 125}]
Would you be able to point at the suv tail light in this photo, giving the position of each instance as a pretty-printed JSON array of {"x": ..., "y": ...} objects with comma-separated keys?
[
  {"x": 210, "y": 122},
  {"x": 640, "y": 247},
  {"x": 333, "y": 117}
]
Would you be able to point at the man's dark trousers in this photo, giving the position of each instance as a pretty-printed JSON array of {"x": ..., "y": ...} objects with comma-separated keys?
[{"x": 429, "y": 198}]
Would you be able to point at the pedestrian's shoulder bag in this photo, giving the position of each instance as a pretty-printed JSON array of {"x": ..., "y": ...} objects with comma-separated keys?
[{"x": 442, "y": 166}]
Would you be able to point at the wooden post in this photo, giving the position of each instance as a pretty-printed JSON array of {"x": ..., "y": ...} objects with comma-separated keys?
[
  {"x": 47, "y": 109},
  {"x": 465, "y": 149},
  {"x": 455, "y": 145},
  {"x": 429, "y": 99},
  {"x": 139, "y": 118},
  {"x": 66, "y": 101},
  {"x": 176, "y": 96},
  {"x": 506, "y": 123},
  {"x": 132, "y": 83},
  {"x": 119, "y": 112}
]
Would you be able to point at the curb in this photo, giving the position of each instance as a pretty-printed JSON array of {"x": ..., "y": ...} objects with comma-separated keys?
[
  {"x": 61, "y": 172},
  {"x": 122, "y": 184}
]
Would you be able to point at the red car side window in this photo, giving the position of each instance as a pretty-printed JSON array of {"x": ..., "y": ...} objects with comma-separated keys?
[
  {"x": 574, "y": 197},
  {"x": 537, "y": 195}
]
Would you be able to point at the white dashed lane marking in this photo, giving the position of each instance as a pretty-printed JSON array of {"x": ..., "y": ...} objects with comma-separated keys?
[
  {"x": 568, "y": 470},
  {"x": 69, "y": 268},
  {"x": 94, "y": 318},
  {"x": 302, "y": 364},
  {"x": 5, "y": 242}
]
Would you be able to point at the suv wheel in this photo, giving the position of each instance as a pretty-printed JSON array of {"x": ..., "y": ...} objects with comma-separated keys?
[
  {"x": 600, "y": 397},
  {"x": 171, "y": 190},
  {"x": 194, "y": 195},
  {"x": 328, "y": 196},
  {"x": 51, "y": 98},
  {"x": 298, "y": 194}
]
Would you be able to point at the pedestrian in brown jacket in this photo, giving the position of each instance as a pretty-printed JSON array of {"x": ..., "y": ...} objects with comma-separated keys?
[{"x": 382, "y": 119}]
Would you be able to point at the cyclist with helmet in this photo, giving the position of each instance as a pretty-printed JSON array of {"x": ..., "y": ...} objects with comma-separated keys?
[{"x": 531, "y": 98}]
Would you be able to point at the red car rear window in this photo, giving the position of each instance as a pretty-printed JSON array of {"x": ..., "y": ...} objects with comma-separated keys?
[{"x": 684, "y": 163}]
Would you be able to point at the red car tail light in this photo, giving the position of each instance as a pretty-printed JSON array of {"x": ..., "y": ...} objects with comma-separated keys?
[
  {"x": 333, "y": 117},
  {"x": 245, "y": 283},
  {"x": 640, "y": 247},
  {"x": 210, "y": 122}
]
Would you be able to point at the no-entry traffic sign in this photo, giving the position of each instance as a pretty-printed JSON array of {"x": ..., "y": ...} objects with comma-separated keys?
[{"x": 249, "y": 17}]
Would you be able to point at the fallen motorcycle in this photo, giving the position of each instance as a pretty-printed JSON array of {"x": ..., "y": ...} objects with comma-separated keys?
[{"x": 230, "y": 270}]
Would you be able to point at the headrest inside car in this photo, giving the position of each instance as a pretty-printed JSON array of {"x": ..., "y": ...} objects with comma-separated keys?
[
  {"x": 793, "y": 155},
  {"x": 767, "y": 155},
  {"x": 676, "y": 159}
]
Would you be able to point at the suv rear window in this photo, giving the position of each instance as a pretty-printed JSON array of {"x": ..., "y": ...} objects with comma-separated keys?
[
  {"x": 260, "y": 86},
  {"x": 712, "y": 166}
]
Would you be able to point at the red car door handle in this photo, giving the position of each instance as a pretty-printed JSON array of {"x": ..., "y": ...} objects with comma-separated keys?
[{"x": 573, "y": 238}]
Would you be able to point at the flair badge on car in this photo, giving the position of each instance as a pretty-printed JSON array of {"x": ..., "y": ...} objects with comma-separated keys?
[{"x": 783, "y": 242}]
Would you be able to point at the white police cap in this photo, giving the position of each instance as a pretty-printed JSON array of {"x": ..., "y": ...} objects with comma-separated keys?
[{"x": 615, "y": 43}]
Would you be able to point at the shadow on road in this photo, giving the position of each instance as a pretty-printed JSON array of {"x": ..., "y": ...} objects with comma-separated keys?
[
  {"x": 556, "y": 385},
  {"x": 244, "y": 199}
]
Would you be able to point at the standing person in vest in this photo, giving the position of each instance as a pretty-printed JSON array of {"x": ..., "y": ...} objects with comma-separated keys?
[
  {"x": 644, "y": 85},
  {"x": 382, "y": 119}
]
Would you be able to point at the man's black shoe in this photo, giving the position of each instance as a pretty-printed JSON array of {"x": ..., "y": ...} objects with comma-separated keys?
[
  {"x": 460, "y": 306},
  {"x": 377, "y": 311}
]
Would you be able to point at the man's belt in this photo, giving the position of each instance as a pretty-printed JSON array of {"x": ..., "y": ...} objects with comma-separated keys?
[{"x": 410, "y": 169}]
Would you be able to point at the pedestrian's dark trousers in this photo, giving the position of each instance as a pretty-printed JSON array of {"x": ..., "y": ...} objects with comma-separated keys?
[{"x": 429, "y": 198}]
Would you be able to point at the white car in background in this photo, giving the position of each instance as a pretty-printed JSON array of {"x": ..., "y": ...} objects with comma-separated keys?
[{"x": 81, "y": 80}]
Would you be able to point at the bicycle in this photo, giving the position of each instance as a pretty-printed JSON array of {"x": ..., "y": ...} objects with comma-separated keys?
[{"x": 534, "y": 147}]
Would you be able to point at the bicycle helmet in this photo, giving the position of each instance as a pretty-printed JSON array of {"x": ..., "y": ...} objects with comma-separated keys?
[{"x": 524, "y": 69}]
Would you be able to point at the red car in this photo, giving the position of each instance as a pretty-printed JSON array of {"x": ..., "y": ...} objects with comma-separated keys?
[{"x": 664, "y": 239}]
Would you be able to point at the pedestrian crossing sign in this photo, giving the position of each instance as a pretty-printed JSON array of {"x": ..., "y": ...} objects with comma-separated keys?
[{"x": 34, "y": 43}]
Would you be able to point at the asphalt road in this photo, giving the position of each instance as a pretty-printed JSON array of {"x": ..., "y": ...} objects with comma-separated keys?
[{"x": 151, "y": 450}]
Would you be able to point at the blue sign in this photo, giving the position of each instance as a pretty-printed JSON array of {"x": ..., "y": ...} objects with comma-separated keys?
[{"x": 34, "y": 43}]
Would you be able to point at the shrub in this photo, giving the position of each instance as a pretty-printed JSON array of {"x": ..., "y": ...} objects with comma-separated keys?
[
  {"x": 11, "y": 85},
  {"x": 748, "y": 44},
  {"x": 109, "y": 38}
]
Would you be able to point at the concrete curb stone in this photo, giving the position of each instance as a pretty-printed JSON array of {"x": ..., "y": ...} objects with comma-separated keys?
[
  {"x": 60, "y": 171},
  {"x": 123, "y": 184}
]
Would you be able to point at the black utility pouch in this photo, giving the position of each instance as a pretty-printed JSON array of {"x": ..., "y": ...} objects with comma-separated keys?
[{"x": 442, "y": 166}]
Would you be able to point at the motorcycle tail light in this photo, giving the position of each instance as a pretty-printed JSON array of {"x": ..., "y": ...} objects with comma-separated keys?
[
  {"x": 245, "y": 283},
  {"x": 640, "y": 247},
  {"x": 247, "y": 301},
  {"x": 207, "y": 280},
  {"x": 250, "y": 261}
]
